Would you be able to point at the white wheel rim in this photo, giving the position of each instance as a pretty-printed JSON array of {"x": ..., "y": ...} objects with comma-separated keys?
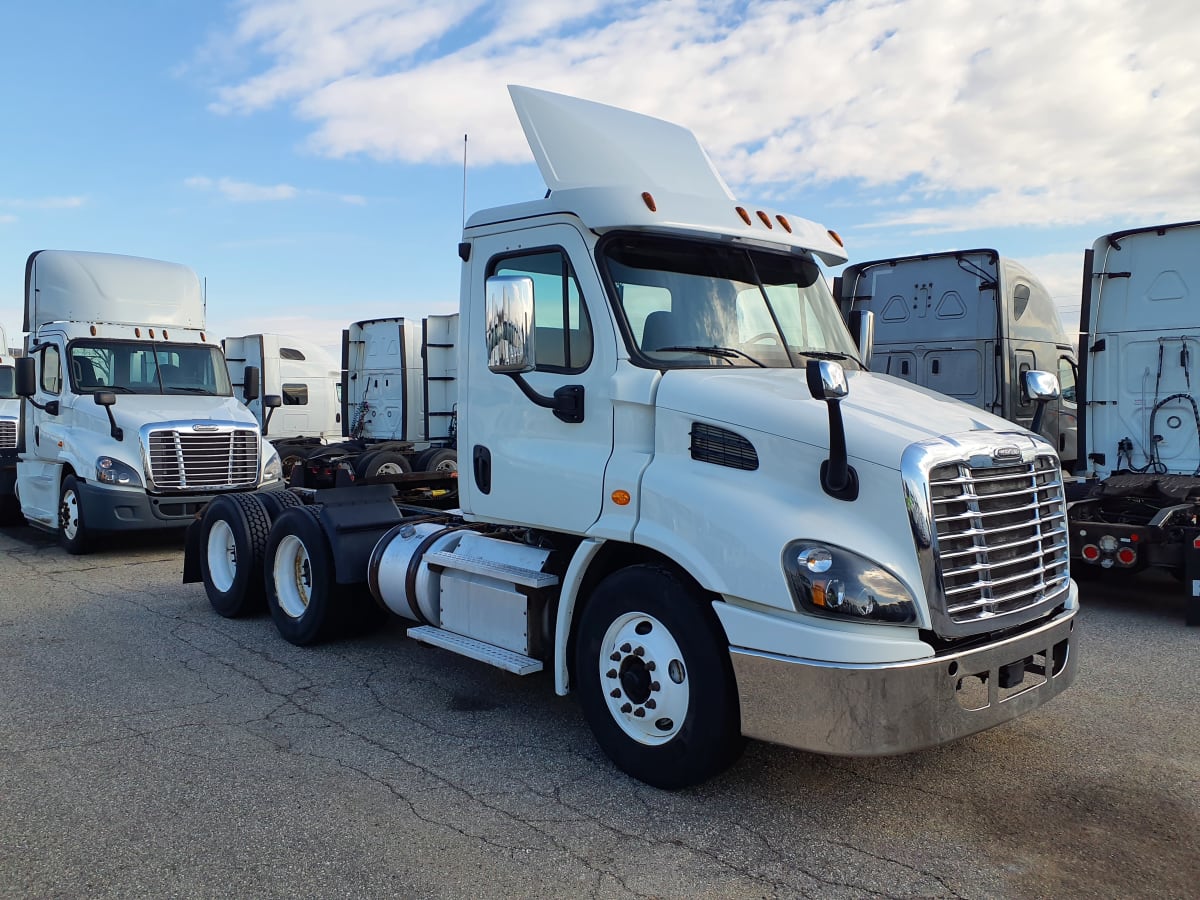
[
  {"x": 390, "y": 468},
  {"x": 292, "y": 574},
  {"x": 446, "y": 465},
  {"x": 68, "y": 514},
  {"x": 644, "y": 679},
  {"x": 222, "y": 556}
]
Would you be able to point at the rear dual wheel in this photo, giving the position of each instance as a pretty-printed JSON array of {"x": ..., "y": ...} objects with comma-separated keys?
[
  {"x": 233, "y": 533},
  {"x": 303, "y": 595}
]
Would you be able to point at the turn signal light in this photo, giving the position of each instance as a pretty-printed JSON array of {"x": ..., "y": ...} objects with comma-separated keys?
[
  {"x": 1126, "y": 556},
  {"x": 621, "y": 498},
  {"x": 1090, "y": 552}
]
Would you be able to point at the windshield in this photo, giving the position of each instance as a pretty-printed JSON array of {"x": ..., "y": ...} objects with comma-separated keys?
[
  {"x": 693, "y": 303},
  {"x": 144, "y": 367},
  {"x": 7, "y": 391}
]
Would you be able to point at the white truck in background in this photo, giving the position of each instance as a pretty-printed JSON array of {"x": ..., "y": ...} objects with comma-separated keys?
[
  {"x": 1139, "y": 389},
  {"x": 308, "y": 382},
  {"x": 129, "y": 419},
  {"x": 683, "y": 493},
  {"x": 969, "y": 324},
  {"x": 10, "y": 421}
]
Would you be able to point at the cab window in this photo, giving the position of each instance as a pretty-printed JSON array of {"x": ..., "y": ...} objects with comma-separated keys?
[
  {"x": 563, "y": 337},
  {"x": 51, "y": 370}
]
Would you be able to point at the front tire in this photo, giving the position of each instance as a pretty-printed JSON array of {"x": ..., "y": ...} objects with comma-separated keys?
[
  {"x": 303, "y": 595},
  {"x": 233, "y": 533},
  {"x": 72, "y": 531},
  {"x": 655, "y": 680}
]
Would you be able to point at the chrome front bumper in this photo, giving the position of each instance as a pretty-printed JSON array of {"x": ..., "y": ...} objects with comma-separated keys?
[{"x": 878, "y": 710}]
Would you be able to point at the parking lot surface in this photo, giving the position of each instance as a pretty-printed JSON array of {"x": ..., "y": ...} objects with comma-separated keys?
[{"x": 149, "y": 748}]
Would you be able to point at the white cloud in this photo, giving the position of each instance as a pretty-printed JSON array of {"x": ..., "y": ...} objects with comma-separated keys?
[
  {"x": 7, "y": 219},
  {"x": 1046, "y": 112},
  {"x": 43, "y": 202},
  {"x": 246, "y": 192}
]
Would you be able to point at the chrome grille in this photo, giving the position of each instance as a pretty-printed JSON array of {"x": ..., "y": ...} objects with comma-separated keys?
[
  {"x": 8, "y": 434},
  {"x": 1001, "y": 536},
  {"x": 199, "y": 460}
]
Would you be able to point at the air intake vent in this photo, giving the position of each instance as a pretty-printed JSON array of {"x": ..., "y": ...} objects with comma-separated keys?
[
  {"x": 8, "y": 434},
  {"x": 722, "y": 448}
]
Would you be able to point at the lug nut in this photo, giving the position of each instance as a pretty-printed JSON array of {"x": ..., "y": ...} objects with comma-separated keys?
[
  {"x": 640, "y": 713},
  {"x": 625, "y": 648},
  {"x": 639, "y": 651},
  {"x": 650, "y": 704},
  {"x": 615, "y": 692},
  {"x": 611, "y": 673},
  {"x": 650, "y": 666},
  {"x": 626, "y": 707},
  {"x": 616, "y": 657},
  {"x": 654, "y": 686}
]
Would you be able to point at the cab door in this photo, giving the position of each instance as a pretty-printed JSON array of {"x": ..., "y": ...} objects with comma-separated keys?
[
  {"x": 39, "y": 467},
  {"x": 520, "y": 462}
]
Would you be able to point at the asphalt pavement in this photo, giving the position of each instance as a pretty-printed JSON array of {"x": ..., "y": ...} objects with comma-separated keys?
[{"x": 149, "y": 748}]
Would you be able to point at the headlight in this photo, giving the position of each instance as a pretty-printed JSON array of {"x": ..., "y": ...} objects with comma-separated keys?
[
  {"x": 272, "y": 468},
  {"x": 836, "y": 583},
  {"x": 113, "y": 471}
]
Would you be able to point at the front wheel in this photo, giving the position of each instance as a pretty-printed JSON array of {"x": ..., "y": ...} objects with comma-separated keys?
[
  {"x": 654, "y": 679},
  {"x": 72, "y": 532}
]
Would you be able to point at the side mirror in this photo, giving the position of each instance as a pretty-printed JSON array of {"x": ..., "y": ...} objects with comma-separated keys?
[
  {"x": 827, "y": 382},
  {"x": 251, "y": 383},
  {"x": 25, "y": 376},
  {"x": 1042, "y": 387},
  {"x": 862, "y": 328},
  {"x": 509, "y": 324},
  {"x": 107, "y": 399},
  {"x": 271, "y": 402}
]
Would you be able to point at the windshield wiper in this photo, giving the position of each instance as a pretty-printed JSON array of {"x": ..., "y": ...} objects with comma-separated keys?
[
  {"x": 826, "y": 354},
  {"x": 187, "y": 390},
  {"x": 722, "y": 352}
]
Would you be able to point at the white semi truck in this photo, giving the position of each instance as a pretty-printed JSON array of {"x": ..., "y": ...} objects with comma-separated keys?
[
  {"x": 1139, "y": 438},
  {"x": 129, "y": 419},
  {"x": 10, "y": 419},
  {"x": 305, "y": 378},
  {"x": 682, "y": 493}
]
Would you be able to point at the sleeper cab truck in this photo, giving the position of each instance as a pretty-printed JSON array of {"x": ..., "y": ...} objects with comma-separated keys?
[
  {"x": 308, "y": 382},
  {"x": 398, "y": 396},
  {"x": 10, "y": 419},
  {"x": 969, "y": 324},
  {"x": 129, "y": 419},
  {"x": 1139, "y": 389},
  {"x": 683, "y": 494}
]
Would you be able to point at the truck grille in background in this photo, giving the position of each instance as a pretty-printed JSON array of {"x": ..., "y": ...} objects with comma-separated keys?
[
  {"x": 8, "y": 434},
  {"x": 196, "y": 460},
  {"x": 1001, "y": 536}
]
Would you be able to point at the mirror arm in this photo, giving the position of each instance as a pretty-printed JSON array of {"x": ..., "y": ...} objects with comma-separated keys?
[
  {"x": 838, "y": 478},
  {"x": 1036, "y": 425},
  {"x": 567, "y": 402}
]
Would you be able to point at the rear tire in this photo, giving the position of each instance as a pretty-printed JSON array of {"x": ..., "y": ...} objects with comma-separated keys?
[
  {"x": 72, "y": 530},
  {"x": 303, "y": 595},
  {"x": 290, "y": 456},
  {"x": 655, "y": 680},
  {"x": 275, "y": 502},
  {"x": 384, "y": 462},
  {"x": 441, "y": 459},
  {"x": 233, "y": 535}
]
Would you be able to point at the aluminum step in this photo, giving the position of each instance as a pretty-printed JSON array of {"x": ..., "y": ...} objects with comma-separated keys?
[
  {"x": 500, "y": 571},
  {"x": 507, "y": 660}
]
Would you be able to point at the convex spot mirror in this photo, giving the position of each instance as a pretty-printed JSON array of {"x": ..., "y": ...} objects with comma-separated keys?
[
  {"x": 827, "y": 380},
  {"x": 509, "y": 327}
]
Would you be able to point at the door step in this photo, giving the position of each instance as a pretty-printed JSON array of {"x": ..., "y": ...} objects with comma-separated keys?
[
  {"x": 492, "y": 569},
  {"x": 509, "y": 661}
]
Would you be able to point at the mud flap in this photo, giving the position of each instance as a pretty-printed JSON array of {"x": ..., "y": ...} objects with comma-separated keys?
[
  {"x": 192, "y": 552},
  {"x": 1191, "y": 572}
]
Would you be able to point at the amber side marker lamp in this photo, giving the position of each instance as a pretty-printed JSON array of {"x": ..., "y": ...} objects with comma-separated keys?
[
  {"x": 649, "y": 201},
  {"x": 621, "y": 498}
]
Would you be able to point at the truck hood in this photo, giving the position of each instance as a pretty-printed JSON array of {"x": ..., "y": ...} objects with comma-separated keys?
[
  {"x": 132, "y": 411},
  {"x": 882, "y": 415}
]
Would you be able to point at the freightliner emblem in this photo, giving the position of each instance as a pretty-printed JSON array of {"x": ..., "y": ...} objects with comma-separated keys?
[
  {"x": 1002, "y": 454},
  {"x": 204, "y": 428}
]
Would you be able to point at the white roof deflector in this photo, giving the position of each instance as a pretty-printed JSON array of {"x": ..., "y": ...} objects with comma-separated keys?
[{"x": 579, "y": 143}]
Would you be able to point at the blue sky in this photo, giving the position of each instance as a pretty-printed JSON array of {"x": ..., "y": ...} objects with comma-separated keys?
[{"x": 305, "y": 156}]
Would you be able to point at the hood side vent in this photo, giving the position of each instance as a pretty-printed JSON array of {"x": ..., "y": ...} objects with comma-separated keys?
[{"x": 721, "y": 447}]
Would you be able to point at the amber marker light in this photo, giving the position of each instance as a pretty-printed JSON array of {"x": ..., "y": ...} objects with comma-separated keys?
[
  {"x": 137, "y": 332},
  {"x": 649, "y": 201},
  {"x": 166, "y": 337},
  {"x": 621, "y": 498},
  {"x": 745, "y": 215},
  {"x": 787, "y": 226},
  {"x": 765, "y": 219},
  {"x": 202, "y": 337},
  {"x": 151, "y": 332},
  {"x": 837, "y": 238},
  {"x": 93, "y": 330}
]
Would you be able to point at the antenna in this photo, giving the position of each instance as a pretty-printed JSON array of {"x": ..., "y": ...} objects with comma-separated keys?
[{"x": 464, "y": 192}]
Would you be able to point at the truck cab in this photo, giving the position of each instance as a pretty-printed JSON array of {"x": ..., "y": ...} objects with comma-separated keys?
[
  {"x": 130, "y": 420},
  {"x": 10, "y": 419},
  {"x": 969, "y": 324}
]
